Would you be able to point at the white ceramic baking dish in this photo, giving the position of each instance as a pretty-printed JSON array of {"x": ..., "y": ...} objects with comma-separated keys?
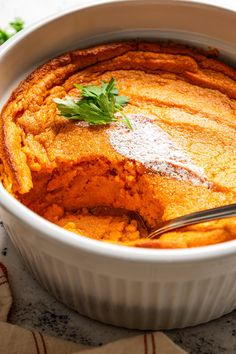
[{"x": 130, "y": 287}]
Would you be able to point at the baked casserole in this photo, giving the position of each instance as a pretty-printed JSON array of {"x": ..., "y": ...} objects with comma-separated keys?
[{"x": 177, "y": 157}]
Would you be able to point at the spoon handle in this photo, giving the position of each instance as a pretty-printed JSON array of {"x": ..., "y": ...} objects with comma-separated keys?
[{"x": 194, "y": 218}]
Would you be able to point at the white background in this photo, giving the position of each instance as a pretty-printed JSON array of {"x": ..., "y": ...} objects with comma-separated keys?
[{"x": 34, "y": 10}]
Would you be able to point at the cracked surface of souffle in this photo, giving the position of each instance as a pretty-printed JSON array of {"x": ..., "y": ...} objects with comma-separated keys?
[{"x": 60, "y": 169}]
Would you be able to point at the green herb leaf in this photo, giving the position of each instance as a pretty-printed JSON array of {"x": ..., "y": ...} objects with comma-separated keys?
[
  {"x": 4, "y": 36},
  {"x": 96, "y": 105},
  {"x": 121, "y": 101},
  {"x": 17, "y": 25},
  {"x": 68, "y": 107}
]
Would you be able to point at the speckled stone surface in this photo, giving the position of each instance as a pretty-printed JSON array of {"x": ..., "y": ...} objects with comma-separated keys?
[{"x": 34, "y": 308}]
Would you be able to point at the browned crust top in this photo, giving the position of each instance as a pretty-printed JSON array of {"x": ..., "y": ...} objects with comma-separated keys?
[{"x": 194, "y": 66}]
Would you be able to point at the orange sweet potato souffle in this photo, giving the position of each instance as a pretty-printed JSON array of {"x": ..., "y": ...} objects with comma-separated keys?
[{"x": 179, "y": 156}]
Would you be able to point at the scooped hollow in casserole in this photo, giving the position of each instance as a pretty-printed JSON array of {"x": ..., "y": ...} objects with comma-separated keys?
[{"x": 176, "y": 156}]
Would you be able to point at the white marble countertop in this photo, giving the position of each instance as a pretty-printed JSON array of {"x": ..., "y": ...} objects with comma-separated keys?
[{"x": 35, "y": 308}]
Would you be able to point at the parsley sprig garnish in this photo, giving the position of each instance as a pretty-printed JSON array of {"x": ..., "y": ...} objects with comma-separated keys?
[
  {"x": 16, "y": 26},
  {"x": 96, "y": 105}
]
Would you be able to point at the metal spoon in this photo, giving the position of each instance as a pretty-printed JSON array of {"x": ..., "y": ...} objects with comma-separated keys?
[
  {"x": 194, "y": 218},
  {"x": 177, "y": 223}
]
